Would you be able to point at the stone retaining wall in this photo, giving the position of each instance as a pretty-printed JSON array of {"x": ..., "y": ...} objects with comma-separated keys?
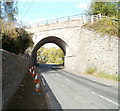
[
  {"x": 14, "y": 68},
  {"x": 95, "y": 51}
]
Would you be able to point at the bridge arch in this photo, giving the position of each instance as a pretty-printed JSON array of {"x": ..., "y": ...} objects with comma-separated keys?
[{"x": 50, "y": 39}]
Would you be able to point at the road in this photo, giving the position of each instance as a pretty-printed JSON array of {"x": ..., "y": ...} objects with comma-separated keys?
[{"x": 74, "y": 92}]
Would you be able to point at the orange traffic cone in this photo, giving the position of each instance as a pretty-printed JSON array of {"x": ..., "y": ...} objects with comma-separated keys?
[
  {"x": 36, "y": 78},
  {"x": 39, "y": 81},
  {"x": 37, "y": 89},
  {"x": 30, "y": 71},
  {"x": 36, "y": 73},
  {"x": 34, "y": 67},
  {"x": 33, "y": 73}
]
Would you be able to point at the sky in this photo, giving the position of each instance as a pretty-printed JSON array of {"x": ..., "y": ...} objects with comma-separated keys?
[
  {"x": 32, "y": 11},
  {"x": 49, "y": 45}
]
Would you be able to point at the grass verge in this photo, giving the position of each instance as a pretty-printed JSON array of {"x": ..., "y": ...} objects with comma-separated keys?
[
  {"x": 105, "y": 26},
  {"x": 102, "y": 74}
]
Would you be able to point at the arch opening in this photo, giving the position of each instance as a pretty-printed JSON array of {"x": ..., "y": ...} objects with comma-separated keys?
[
  {"x": 50, "y": 54},
  {"x": 50, "y": 39}
]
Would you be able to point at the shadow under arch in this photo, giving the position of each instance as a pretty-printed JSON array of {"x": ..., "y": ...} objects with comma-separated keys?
[{"x": 50, "y": 39}]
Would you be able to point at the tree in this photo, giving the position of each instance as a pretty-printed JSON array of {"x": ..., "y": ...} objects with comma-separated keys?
[
  {"x": 105, "y": 8},
  {"x": 50, "y": 55},
  {"x": 8, "y": 10},
  {"x": 15, "y": 40},
  {"x": 42, "y": 55},
  {"x": 0, "y": 10}
]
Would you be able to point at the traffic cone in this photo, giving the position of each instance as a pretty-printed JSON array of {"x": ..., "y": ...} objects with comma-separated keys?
[
  {"x": 30, "y": 71},
  {"x": 37, "y": 89},
  {"x": 38, "y": 81},
  {"x": 36, "y": 73},
  {"x": 33, "y": 73},
  {"x": 34, "y": 67},
  {"x": 36, "y": 78}
]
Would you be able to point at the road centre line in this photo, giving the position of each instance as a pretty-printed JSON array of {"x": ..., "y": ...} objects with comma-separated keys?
[
  {"x": 64, "y": 78},
  {"x": 86, "y": 89},
  {"x": 106, "y": 98},
  {"x": 67, "y": 79},
  {"x": 62, "y": 85},
  {"x": 58, "y": 74}
]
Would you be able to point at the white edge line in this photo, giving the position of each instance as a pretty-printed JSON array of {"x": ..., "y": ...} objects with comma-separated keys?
[
  {"x": 106, "y": 98},
  {"x": 43, "y": 81},
  {"x": 109, "y": 100}
]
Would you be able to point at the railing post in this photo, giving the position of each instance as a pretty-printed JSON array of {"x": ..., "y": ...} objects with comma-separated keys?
[
  {"x": 46, "y": 22},
  {"x": 57, "y": 20},
  {"x": 84, "y": 19},
  {"x": 99, "y": 16},
  {"x": 96, "y": 17},
  {"x": 68, "y": 18},
  {"x": 91, "y": 19}
]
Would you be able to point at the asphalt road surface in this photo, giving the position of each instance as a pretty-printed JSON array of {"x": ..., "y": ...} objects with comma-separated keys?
[{"x": 73, "y": 92}]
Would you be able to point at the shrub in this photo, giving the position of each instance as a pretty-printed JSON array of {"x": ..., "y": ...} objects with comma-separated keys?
[
  {"x": 91, "y": 70},
  {"x": 105, "y": 26},
  {"x": 15, "y": 40}
]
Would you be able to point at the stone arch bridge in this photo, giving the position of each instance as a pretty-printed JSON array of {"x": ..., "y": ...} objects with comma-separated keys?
[{"x": 83, "y": 48}]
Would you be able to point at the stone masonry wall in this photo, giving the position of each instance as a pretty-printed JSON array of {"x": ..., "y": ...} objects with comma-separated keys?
[
  {"x": 95, "y": 51},
  {"x": 14, "y": 68},
  {"x": 0, "y": 80}
]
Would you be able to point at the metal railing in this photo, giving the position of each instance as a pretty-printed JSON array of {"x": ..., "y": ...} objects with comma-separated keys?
[
  {"x": 58, "y": 20},
  {"x": 84, "y": 19}
]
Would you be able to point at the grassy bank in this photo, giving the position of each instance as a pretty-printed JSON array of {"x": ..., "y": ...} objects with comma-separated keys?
[
  {"x": 102, "y": 74},
  {"x": 105, "y": 26}
]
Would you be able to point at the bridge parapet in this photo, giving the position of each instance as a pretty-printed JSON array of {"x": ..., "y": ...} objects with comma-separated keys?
[
  {"x": 57, "y": 26},
  {"x": 58, "y": 20},
  {"x": 83, "y": 18}
]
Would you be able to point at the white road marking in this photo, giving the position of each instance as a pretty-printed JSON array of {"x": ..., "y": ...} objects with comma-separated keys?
[
  {"x": 109, "y": 84},
  {"x": 92, "y": 92},
  {"x": 106, "y": 98},
  {"x": 109, "y": 100},
  {"x": 86, "y": 89},
  {"x": 62, "y": 85},
  {"x": 43, "y": 82},
  {"x": 67, "y": 79},
  {"x": 58, "y": 74}
]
